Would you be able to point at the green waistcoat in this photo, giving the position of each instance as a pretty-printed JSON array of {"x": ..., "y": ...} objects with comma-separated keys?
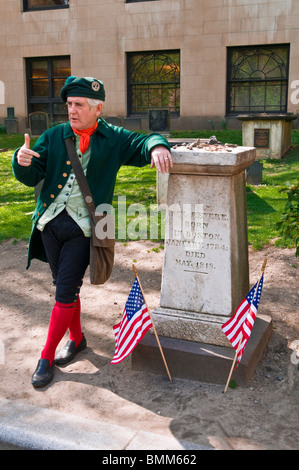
[{"x": 111, "y": 147}]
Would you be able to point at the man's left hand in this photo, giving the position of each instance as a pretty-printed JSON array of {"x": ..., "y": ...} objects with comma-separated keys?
[{"x": 161, "y": 159}]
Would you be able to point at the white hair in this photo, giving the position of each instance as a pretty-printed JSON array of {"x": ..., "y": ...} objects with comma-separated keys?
[{"x": 93, "y": 103}]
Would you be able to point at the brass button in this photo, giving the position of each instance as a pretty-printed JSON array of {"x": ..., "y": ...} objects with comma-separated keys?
[
  {"x": 52, "y": 196},
  {"x": 44, "y": 204},
  {"x": 59, "y": 186},
  {"x": 68, "y": 162},
  {"x": 64, "y": 175}
]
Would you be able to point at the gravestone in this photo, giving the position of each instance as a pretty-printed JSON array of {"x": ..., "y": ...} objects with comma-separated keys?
[
  {"x": 11, "y": 121},
  {"x": 158, "y": 120},
  {"x": 205, "y": 273},
  {"x": 39, "y": 122},
  {"x": 254, "y": 174}
]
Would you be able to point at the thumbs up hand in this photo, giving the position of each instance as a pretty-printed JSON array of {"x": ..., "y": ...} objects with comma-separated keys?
[{"x": 25, "y": 154}]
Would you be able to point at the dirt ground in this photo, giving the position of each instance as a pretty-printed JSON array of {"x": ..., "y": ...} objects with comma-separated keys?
[{"x": 264, "y": 415}]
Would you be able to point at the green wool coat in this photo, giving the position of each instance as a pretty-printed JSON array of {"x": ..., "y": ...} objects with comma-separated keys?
[{"x": 111, "y": 147}]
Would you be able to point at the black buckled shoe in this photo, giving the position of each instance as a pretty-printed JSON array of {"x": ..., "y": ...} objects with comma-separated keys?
[
  {"x": 43, "y": 374},
  {"x": 69, "y": 351}
]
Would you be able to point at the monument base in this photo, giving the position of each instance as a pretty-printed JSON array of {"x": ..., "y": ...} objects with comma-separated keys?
[
  {"x": 190, "y": 326},
  {"x": 200, "y": 361}
]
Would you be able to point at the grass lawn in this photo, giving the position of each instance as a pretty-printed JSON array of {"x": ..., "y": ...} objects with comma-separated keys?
[{"x": 265, "y": 203}]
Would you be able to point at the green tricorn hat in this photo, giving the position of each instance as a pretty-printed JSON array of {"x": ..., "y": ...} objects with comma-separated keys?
[{"x": 86, "y": 87}]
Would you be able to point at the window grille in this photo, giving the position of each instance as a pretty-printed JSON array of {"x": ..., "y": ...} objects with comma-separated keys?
[
  {"x": 257, "y": 79},
  {"x": 153, "y": 81}
]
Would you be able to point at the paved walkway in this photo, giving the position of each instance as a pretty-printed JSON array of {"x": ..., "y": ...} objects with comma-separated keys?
[{"x": 25, "y": 426}]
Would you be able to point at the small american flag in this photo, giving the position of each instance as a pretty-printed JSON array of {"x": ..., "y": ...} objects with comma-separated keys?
[
  {"x": 135, "y": 323},
  {"x": 241, "y": 323}
]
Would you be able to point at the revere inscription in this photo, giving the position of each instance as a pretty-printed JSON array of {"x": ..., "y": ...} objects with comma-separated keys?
[{"x": 198, "y": 258}]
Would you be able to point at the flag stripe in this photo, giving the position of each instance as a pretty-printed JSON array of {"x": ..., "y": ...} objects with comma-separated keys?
[
  {"x": 128, "y": 334},
  {"x": 241, "y": 323},
  {"x": 123, "y": 351},
  {"x": 233, "y": 328},
  {"x": 121, "y": 329},
  {"x": 134, "y": 324}
]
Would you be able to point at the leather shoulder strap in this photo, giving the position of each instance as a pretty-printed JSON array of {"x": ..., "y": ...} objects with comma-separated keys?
[{"x": 77, "y": 167}]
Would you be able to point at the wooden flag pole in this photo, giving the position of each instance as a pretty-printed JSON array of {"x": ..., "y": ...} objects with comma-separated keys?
[
  {"x": 264, "y": 265},
  {"x": 237, "y": 352},
  {"x": 157, "y": 338},
  {"x": 233, "y": 364}
]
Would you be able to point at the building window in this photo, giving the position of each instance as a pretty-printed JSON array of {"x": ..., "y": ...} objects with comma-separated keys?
[
  {"x": 44, "y": 4},
  {"x": 257, "y": 79},
  {"x": 153, "y": 81},
  {"x": 45, "y": 78}
]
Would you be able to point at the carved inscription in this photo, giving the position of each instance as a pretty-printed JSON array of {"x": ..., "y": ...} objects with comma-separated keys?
[
  {"x": 262, "y": 138},
  {"x": 199, "y": 240}
]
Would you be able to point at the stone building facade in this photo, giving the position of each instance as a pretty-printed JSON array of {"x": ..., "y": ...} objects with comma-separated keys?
[{"x": 204, "y": 61}]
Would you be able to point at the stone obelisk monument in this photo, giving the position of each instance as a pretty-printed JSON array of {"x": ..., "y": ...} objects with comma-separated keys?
[{"x": 205, "y": 273}]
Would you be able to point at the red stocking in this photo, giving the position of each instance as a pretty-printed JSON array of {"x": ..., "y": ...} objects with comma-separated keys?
[
  {"x": 60, "y": 320},
  {"x": 75, "y": 325}
]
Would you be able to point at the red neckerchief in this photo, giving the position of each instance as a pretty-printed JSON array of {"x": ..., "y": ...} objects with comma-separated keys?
[{"x": 85, "y": 137}]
